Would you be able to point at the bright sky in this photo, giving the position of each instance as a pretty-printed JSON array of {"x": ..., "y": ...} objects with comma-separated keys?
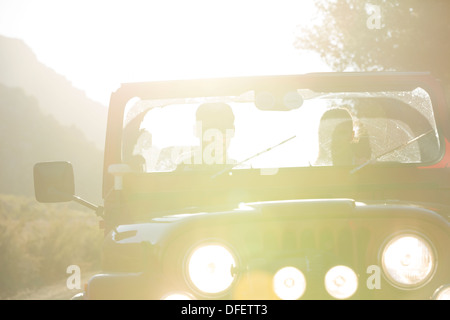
[{"x": 98, "y": 44}]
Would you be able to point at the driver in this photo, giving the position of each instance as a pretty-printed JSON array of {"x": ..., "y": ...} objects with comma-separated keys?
[{"x": 214, "y": 128}]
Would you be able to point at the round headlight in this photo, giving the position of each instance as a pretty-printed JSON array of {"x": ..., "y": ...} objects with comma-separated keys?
[
  {"x": 341, "y": 282},
  {"x": 210, "y": 268},
  {"x": 443, "y": 293},
  {"x": 408, "y": 260},
  {"x": 289, "y": 283}
]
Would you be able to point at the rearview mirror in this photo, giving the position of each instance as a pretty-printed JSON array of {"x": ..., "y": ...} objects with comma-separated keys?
[{"x": 54, "y": 181}]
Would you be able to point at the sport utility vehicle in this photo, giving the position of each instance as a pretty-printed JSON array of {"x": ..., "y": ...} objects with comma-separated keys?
[{"x": 316, "y": 186}]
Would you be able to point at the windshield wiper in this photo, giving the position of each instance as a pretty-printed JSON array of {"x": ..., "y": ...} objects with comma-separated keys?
[
  {"x": 230, "y": 167},
  {"x": 373, "y": 160}
]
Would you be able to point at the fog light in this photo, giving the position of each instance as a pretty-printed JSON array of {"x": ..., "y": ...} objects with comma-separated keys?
[
  {"x": 341, "y": 282},
  {"x": 210, "y": 268},
  {"x": 289, "y": 283},
  {"x": 443, "y": 293},
  {"x": 408, "y": 261}
]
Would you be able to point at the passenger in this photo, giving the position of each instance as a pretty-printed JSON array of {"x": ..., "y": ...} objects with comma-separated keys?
[{"x": 339, "y": 141}]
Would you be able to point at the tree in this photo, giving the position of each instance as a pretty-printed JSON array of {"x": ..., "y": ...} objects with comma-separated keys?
[{"x": 385, "y": 35}]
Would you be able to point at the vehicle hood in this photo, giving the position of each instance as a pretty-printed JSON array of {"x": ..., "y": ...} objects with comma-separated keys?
[{"x": 157, "y": 229}]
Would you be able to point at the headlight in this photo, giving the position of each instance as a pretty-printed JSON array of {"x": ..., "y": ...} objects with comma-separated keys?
[
  {"x": 408, "y": 260},
  {"x": 210, "y": 268},
  {"x": 289, "y": 283},
  {"x": 443, "y": 293},
  {"x": 341, "y": 282}
]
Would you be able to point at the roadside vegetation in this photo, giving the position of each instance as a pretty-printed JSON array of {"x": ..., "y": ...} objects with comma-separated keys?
[{"x": 39, "y": 241}]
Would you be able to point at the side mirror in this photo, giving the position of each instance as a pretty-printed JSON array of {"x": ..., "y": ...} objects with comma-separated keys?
[{"x": 54, "y": 181}]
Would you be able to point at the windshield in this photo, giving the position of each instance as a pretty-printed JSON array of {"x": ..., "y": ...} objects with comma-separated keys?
[{"x": 271, "y": 130}]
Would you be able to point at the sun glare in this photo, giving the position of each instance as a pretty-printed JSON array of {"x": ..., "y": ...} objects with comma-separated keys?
[{"x": 97, "y": 45}]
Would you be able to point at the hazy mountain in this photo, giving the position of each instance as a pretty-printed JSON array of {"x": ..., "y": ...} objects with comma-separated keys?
[
  {"x": 28, "y": 136},
  {"x": 55, "y": 94}
]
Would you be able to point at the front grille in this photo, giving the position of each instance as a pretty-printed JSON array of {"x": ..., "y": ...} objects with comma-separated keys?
[{"x": 335, "y": 242}]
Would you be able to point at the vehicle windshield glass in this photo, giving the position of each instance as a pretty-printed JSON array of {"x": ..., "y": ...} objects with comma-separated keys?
[{"x": 251, "y": 130}]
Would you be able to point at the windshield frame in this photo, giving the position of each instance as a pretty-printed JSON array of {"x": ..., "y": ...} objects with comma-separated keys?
[{"x": 319, "y": 82}]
